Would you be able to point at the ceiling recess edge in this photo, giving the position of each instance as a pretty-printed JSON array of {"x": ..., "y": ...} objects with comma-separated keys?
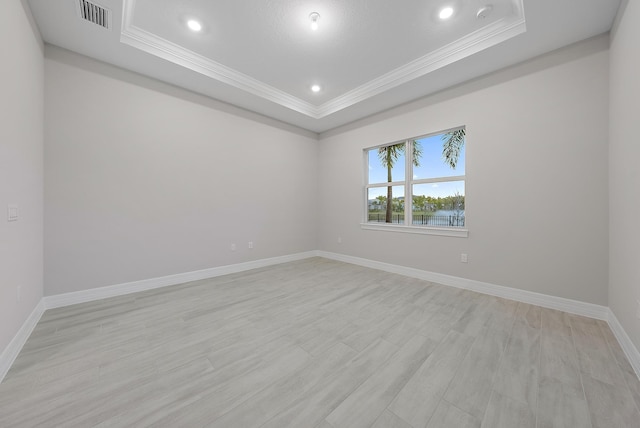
[{"x": 472, "y": 43}]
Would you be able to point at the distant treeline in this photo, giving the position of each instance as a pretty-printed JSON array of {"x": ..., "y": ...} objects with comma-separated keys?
[{"x": 421, "y": 203}]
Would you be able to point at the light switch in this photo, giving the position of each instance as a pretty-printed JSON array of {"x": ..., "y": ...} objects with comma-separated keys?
[{"x": 12, "y": 212}]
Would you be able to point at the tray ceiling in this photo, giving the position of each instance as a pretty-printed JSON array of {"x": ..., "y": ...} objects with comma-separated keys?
[{"x": 366, "y": 56}]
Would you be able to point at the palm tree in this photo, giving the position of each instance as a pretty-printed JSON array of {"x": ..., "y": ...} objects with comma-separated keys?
[
  {"x": 452, "y": 143},
  {"x": 388, "y": 156}
]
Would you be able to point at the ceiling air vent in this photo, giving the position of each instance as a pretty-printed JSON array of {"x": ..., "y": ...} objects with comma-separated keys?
[{"x": 94, "y": 13}]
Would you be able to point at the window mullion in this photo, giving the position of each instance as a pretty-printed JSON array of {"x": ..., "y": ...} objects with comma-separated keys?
[
  {"x": 392, "y": 184},
  {"x": 365, "y": 206},
  {"x": 408, "y": 176},
  {"x": 439, "y": 179}
]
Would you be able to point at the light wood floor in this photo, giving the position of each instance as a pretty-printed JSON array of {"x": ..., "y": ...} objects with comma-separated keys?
[{"x": 318, "y": 343}]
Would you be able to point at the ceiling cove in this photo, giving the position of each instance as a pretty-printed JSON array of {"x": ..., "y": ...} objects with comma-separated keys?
[{"x": 493, "y": 33}]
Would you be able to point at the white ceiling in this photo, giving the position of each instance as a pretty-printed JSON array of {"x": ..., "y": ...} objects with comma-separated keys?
[{"x": 367, "y": 55}]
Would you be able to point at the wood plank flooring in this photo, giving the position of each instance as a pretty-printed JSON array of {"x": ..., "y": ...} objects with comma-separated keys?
[{"x": 318, "y": 343}]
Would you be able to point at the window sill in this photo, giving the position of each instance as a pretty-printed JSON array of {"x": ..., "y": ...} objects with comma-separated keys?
[{"x": 421, "y": 230}]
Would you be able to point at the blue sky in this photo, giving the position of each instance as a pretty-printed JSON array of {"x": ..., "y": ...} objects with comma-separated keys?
[{"x": 431, "y": 165}]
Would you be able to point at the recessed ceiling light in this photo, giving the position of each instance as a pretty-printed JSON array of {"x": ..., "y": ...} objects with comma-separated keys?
[
  {"x": 194, "y": 25},
  {"x": 315, "y": 88},
  {"x": 314, "y": 17},
  {"x": 446, "y": 13}
]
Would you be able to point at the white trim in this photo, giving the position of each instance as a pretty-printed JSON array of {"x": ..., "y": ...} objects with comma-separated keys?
[
  {"x": 438, "y": 179},
  {"x": 590, "y": 310},
  {"x": 422, "y": 230},
  {"x": 155, "y": 45},
  {"x": 486, "y": 37},
  {"x": 491, "y": 35},
  {"x": 630, "y": 350},
  {"x": 388, "y": 183},
  {"x": 66, "y": 299},
  {"x": 12, "y": 350},
  {"x": 552, "y": 302}
]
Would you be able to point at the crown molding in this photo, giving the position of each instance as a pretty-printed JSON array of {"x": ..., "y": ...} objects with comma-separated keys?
[
  {"x": 486, "y": 37},
  {"x": 466, "y": 46},
  {"x": 162, "y": 48}
]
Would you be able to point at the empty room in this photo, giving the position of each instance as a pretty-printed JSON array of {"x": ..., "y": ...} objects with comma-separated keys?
[{"x": 320, "y": 214}]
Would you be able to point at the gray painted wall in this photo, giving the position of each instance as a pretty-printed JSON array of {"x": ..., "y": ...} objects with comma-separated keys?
[
  {"x": 536, "y": 189},
  {"x": 21, "y": 170},
  {"x": 144, "y": 180},
  {"x": 624, "y": 173}
]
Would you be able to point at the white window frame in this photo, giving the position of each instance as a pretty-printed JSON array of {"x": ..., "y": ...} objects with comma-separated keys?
[{"x": 408, "y": 182}]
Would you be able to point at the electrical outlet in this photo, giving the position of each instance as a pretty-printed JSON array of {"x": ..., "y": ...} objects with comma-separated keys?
[
  {"x": 463, "y": 258},
  {"x": 233, "y": 247},
  {"x": 12, "y": 212},
  {"x": 250, "y": 244}
]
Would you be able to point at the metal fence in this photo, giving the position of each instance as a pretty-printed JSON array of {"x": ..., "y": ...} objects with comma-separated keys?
[
  {"x": 421, "y": 219},
  {"x": 382, "y": 217}
]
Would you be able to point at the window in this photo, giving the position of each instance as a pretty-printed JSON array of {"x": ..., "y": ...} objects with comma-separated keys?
[{"x": 428, "y": 171}]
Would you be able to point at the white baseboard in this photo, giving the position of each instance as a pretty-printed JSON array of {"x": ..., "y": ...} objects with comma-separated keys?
[
  {"x": 625, "y": 342},
  {"x": 66, "y": 299},
  {"x": 12, "y": 350},
  {"x": 552, "y": 302}
]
